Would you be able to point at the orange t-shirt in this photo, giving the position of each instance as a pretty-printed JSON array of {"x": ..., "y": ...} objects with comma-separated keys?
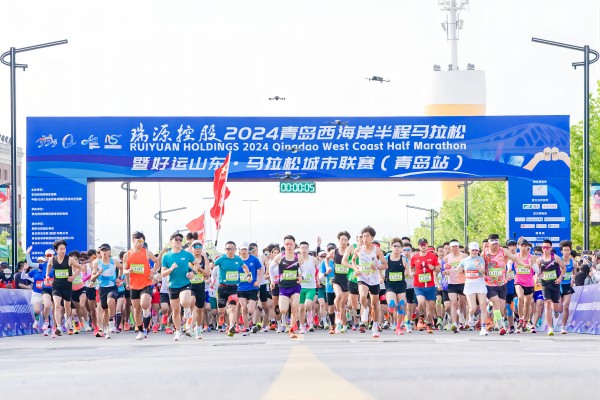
[{"x": 137, "y": 263}]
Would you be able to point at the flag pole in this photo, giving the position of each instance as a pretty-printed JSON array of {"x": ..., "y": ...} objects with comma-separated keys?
[{"x": 222, "y": 199}]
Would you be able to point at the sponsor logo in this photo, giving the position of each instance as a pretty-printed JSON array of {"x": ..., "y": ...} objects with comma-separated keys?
[
  {"x": 91, "y": 142},
  {"x": 112, "y": 142},
  {"x": 68, "y": 141}
]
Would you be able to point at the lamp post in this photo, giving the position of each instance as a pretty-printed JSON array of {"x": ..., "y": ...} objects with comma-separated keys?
[
  {"x": 250, "y": 201},
  {"x": 586, "y": 127},
  {"x": 159, "y": 217},
  {"x": 406, "y": 196},
  {"x": 126, "y": 186},
  {"x": 466, "y": 223},
  {"x": 432, "y": 215},
  {"x": 13, "y": 130}
]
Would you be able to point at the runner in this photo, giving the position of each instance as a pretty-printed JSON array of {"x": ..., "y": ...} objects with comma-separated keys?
[
  {"x": 201, "y": 275},
  {"x": 263, "y": 292},
  {"x": 36, "y": 275},
  {"x": 180, "y": 266},
  {"x": 424, "y": 265},
  {"x": 291, "y": 270},
  {"x": 370, "y": 261},
  {"x": 322, "y": 292},
  {"x": 456, "y": 281},
  {"x": 326, "y": 274},
  {"x": 511, "y": 271},
  {"x": 475, "y": 288},
  {"x": 248, "y": 288},
  {"x": 395, "y": 284},
  {"x": 79, "y": 298},
  {"x": 106, "y": 271},
  {"x": 552, "y": 270},
  {"x": 411, "y": 298},
  {"x": 351, "y": 262},
  {"x": 140, "y": 278},
  {"x": 567, "y": 283},
  {"x": 65, "y": 269},
  {"x": 47, "y": 303},
  {"x": 340, "y": 280},
  {"x": 227, "y": 269},
  {"x": 308, "y": 289},
  {"x": 524, "y": 285}
]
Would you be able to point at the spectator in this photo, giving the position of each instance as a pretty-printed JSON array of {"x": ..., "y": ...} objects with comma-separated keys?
[
  {"x": 22, "y": 283},
  {"x": 6, "y": 280},
  {"x": 583, "y": 276}
]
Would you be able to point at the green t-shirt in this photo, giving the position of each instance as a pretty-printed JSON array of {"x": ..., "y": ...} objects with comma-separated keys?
[{"x": 229, "y": 269}]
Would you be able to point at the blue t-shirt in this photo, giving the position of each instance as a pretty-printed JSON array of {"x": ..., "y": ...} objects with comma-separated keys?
[
  {"x": 253, "y": 265},
  {"x": 229, "y": 269},
  {"x": 328, "y": 278},
  {"x": 38, "y": 276},
  {"x": 178, "y": 278}
]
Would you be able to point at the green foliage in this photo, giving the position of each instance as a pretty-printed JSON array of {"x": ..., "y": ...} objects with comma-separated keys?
[
  {"x": 487, "y": 214},
  {"x": 20, "y": 252}
]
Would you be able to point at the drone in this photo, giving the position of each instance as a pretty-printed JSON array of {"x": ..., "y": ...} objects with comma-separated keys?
[
  {"x": 377, "y": 79},
  {"x": 287, "y": 175},
  {"x": 276, "y": 98},
  {"x": 337, "y": 122}
]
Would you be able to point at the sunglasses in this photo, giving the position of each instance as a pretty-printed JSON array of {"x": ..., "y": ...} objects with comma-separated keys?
[
  {"x": 396, "y": 245},
  {"x": 546, "y": 247},
  {"x": 140, "y": 240},
  {"x": 406, "y": 249},
  {"x": 251, "y": 250},
  {"x": 197, "y": 246},
  {"x": 321, "y": 256},
  {"x": 423, "y": 244},
  {"x": 229, "y": 248},
  {"x": 178, "y": 239}
]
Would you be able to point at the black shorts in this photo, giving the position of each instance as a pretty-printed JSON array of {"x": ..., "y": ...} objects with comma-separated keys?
[
  {"x": 551, "y": 292},
  {"x": 105, "y": 293},
  {"x": 445, "y": 297},
  {"x": 330, "y": 298},
  {"x": 199, "y": 292},
  {"x": 249, "y": 295},
  {"x": 121, "y": 295},
  {"x": 137, "y": 294},
  {"x": 395, "y": 287},
  {"x": 90, "y": 292},
  {"x": 76, "y": 294},
  {"x": 49, "y": 291},
  {"x": 527, "y": 290},
  {"x": 353, "y": 288},
  {"x": 224, "y": 292},
  {"x": 263, "y": 294},
  {"x": 410, "y": 296},
  {"x": 174, "y": 292},
  {"x": 494, "y": 291},
  {"x": 275, "y": 291},
  {"x": 373, "y": 289},
  {"x": 65, "y": 293},
  {"x": 164, "y": 298},
  {"x": 127, "y": 294},
  {"x": 341, "y": 281},
  {"x": 456, "y": 288},
  {"x": 566, "y": 290},
  {"x": 510, "y": 297}
]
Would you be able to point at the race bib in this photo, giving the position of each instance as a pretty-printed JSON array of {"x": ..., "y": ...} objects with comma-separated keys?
[
  {"x": 396, "y": 276},
  {"x": 289, "y": 275},
  {"x": 549, "y": 275},
  {"x": 472, "y": 274},
  {"x": 308, "y": 278},
  {"x": 424, "y": 278},
  {"x": 61, "y": 273},
  {"x": 232, "y": 276},
  {"x": 136, "y": 268},
  {"x": 365, "y": 268},
  {"x": 340, "y": 269},
  {"x": 78, "y": 280},
  {"x": 523, "y": 270},
  {"x": 39, "y": 284},
  {"x": 495, "y": 272},
  {"x": 244, "y": 276},
  {"x": 50, "y": 281},
  {"x": 198, "y": 278},
  {"x": 567, "y": 276}
]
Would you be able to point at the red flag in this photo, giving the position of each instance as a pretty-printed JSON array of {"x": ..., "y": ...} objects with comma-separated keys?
[
  {"x": 197, "y": 225},
  {"x": 221, "y": 192}
]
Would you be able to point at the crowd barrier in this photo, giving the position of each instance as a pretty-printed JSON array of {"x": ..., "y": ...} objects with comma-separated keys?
[
  {"x": 584, "y": 312},
  {"x": 16, "y": 314}
]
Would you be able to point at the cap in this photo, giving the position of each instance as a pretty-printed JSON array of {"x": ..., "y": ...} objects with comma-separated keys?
[
  {"x": 197, "y": 242},
  {"x": 511, "y": 242},
  {"x": 331, "y": 246},
  {"x": 454, "y": 243},
  {"x": 376, "y": 243},
  {"x": 473, "y": 246},
  {"x": 7, "y": 271},
  {"x": 174, "y": 235},
  {"x": 104, "y": 246},
  {"x": 244, "y": 245},
  {"x": 526, "y": 243},
  {"x": 422, "y": 240},
  {"x": 3, "y": 264},
  {"x": 49, "y": 251},
  {"x": 41, "y": 260},
  {"x": 254, "y": 245},
  {"x": 322, "y": 253}
]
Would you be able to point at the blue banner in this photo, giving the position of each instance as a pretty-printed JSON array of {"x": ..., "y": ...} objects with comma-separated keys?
[{"x": 16, "y": 314}]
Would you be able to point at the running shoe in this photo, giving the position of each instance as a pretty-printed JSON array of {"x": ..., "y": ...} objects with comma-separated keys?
[
  {"x": 177, "y": 336},
  {"x": 408, "y": 327},
  {"x": 265, "y": 329},
  {"x": 302, "y": 331},
  {"x": 139, "y": 336},
  {"x": 107, "y": 334},
  {"x": 563, "y": 330},
  {"x": 421, "y": 325},
  {"x": 311, "y": 328},
  {"x": 338, "y": 328},
  {"x": 70, "y": 331},
  {"x": 386, "y": 325},
  {"x": 550, "y": 332},
  {"x": 198, "y": 332},
  {"x": 354, "y": 328},
  {"x": 483, "y": 332},
  {"x": 362, "y": 328},
  {"x": 97, "y": 332},
  {"x": 273, "y": 326},
  {"x": 343, "y": 330},
  {"x": 293, "y": 335},
  {"x": 255, "y": 329},
  {"x": 46, "y": 326},
  {"x": 127, "y": 326},
  {"x": 399, "y": 331},
  {"x": 169, "y": 331},
  {"x": 332, "y": 331},
  {"x": 454, "y": 328},
  {"x": 188, "y": 332},
  {"x": 86, "y": 327},
  {"x": 57, "y": 332},
  {"x": 376, "y": 333},
  {"x": 429, "y": 329},
  {"x": 155, "y": 328},
  {"x": 502, "y": 331},
  {"x": 46, "y": 332},
  {"x": 53, "y": 335},
  {"x": 511, "y": 330},
  {"x": 163, "y": 320},
  {"x": 77, "y": 326},
  {"x": 231, "y": 332}
]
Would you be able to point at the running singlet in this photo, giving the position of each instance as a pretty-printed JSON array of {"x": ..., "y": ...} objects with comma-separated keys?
[
  {"x": 309, "y": 280},
  {"x": 454, "y": 278},
  {"x": 395, "y": 272},
  {"x": 549, "y": 271},
  {"x": 351, "y": 271},
  {"x": 569, "y": 273},
  {"x": 137, "y": 263},
  {"x": 198, "y": 278},
  {"x": 62, "y": 272},
  {"x": 495, "y": 268},
  {"x": 524, "y": 273},
  {"x": 340, "y": 270},
  {"x": 365, "y": 262},
  {"x": 108, "y": 274},
  {"x": 288, "y": 272}
]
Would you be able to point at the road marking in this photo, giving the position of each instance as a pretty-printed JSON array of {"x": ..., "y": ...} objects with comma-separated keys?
[{"x": 330, "y": 385}]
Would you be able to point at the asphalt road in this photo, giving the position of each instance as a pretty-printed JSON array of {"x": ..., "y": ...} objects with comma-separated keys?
[{"x": 316, "y": 366}]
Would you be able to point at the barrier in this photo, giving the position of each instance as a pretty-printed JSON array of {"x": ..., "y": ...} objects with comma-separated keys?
[{"x": 16, "y": 314}]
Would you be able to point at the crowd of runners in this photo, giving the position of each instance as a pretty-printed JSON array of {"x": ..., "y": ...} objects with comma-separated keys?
[{"x": 287, "y": 288}]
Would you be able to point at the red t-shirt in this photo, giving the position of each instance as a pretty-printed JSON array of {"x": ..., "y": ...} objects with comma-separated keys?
[{"x": 423, "y": 275}]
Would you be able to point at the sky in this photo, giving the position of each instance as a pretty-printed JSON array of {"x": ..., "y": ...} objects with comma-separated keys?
[{"x": 225, "y": 58}]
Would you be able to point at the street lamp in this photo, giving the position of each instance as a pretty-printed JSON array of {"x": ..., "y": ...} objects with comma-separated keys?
[
  {"x": 432, "y": 215},
  {"x": 586, "y": 127},
  {"x": 407, "y": 195},
  {"x": 126, "y": 186},
  {"x": 160, "y": 219},
  {"x": 466, "y": 186},
  {"x": 250, "y": 201},
  {"x": 13, "y": 129}
]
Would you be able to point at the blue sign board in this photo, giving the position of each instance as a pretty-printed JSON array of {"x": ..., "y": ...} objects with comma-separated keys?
[{"x": 531, "y": 152}]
